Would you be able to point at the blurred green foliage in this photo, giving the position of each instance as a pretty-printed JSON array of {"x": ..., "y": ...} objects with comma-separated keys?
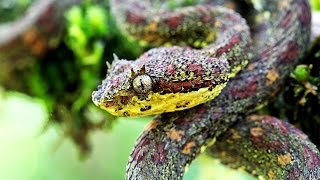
[
  {"x": 305, "y": 83},
  {"x": 87, "y": 25},
  {"x": 10, "y": 10},
  {"x": 315, "y": 4},
  {"x": 67, "y": 75}
]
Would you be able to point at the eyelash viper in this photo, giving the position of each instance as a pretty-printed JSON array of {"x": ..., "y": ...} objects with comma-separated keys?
[{"x": 262, "y": 145}]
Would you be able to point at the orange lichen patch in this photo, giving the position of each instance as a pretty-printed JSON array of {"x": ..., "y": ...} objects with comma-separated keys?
[
  {"x": 151, "y": 125},
  {"x": 283, "y": 4},
  {"x": 256, "y": 132},
  {"x": 254, "y": 117},
  {"x": 272, "y": 76},
  {"x": 271, "y": 175},
  {"x": 174, "y": 134},
  {"x": 39, "y": 47},
  {"x": 231, "y": 5},
  {"x": 30, "y": 36},
  {"x": 187, "y": 148},
  {"x": 33, "y": 40},
  {"x": 285, "y": 159}
]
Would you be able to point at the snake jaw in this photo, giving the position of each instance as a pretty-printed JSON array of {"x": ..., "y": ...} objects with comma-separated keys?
[{"x": 153, "y": 103}]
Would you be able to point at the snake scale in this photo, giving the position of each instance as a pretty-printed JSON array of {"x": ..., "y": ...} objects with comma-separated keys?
[{"x": 212, "y": 102}]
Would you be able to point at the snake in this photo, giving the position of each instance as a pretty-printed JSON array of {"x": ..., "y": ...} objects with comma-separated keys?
[{"x": 216, "y": 64}]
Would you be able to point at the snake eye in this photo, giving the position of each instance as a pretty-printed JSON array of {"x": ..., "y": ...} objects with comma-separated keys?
[{"x": 142, "y": 83}]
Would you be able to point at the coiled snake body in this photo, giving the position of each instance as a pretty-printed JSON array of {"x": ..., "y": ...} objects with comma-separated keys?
[{"x": 178, "y": 79}]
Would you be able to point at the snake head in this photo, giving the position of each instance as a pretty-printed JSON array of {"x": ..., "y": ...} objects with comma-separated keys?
[
  {"x": 161, "y": 80},
  {"x": 125, "y": 81}
]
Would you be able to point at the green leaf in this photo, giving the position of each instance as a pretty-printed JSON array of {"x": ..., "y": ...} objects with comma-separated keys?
[{"x": 301, "y": 73}]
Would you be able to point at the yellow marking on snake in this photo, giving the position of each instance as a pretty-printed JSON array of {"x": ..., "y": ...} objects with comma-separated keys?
[{"x": 169, "y": 102}]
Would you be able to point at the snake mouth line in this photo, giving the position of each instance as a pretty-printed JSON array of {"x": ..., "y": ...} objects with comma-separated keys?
[
  {"x": 164, "y": 97},
  {"x": 156, "y": 103}
]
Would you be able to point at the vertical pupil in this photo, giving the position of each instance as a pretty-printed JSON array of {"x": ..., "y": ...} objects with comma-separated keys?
[{"x": 141, "y": 84}]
